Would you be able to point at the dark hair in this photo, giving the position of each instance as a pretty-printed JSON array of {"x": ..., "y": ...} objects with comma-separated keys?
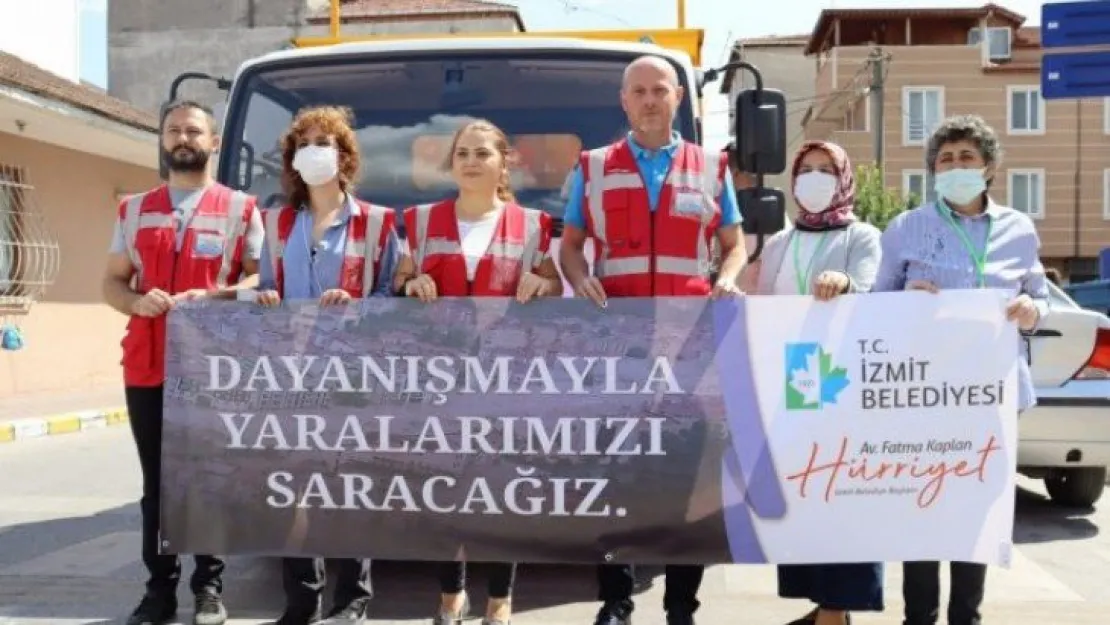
[
  {"x": 964, "y": 128},
  {"x": 178, "y": 105},
  {"x": 1053, "y": 275},
  {"x": 501, "y": 142},
  {"x": 330, "y": 120}
]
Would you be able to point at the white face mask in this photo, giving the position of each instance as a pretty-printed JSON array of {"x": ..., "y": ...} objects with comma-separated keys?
[
  {"x": 317, "y": 164},
  {"x": 815, "y": 190}
]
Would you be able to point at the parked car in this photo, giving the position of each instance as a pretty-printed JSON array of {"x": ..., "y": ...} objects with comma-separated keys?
[{"x": 1065, "y": 439}]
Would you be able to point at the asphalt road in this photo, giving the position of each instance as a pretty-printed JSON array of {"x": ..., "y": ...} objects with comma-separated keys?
[{"x": 69, "y": 547}]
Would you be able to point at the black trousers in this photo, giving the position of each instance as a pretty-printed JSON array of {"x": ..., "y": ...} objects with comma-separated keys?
[
  {"x": 502, "y": 575},
  {"x": 615, "y": 583},
  {"x": 304, "y": 579},
  {"x": 921, "y": 592},
  {"x": 144, "y": 405}
]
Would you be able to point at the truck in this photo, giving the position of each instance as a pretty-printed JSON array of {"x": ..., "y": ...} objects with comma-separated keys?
[{"x": 554, "y": 94}]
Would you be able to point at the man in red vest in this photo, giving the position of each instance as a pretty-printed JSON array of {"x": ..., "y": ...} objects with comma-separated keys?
[
  {"x": 190, "y": 239},
  {"x": 652, "y": 204}
]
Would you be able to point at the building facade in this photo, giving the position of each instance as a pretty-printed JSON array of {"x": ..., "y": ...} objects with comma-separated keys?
[
  {"x": 68, "y": 153},
  {"x": 153, "y": 41},
  {"x": 937, "y": 63}
]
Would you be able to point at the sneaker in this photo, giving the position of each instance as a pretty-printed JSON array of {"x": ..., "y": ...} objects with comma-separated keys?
[
  {"x": 209, "y": 610},
  {"x": 154, "y": 610},
  {"x": 613, "y": 614},
  {"x": 354, "y": 613}
]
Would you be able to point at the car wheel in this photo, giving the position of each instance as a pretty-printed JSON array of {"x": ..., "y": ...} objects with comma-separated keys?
[{"x": 1076, "y": 488}]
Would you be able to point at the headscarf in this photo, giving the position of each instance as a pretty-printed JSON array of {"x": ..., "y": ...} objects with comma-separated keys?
[{"x": 839, "y": 213}]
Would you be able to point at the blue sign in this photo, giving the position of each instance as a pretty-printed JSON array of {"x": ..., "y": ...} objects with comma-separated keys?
[
  {"x": 1075, "y": 24},
  {"x": 1075, "y": 75}
]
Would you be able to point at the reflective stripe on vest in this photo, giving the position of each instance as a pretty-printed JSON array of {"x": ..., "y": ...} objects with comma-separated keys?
[
  {"x": 528, "y": 254},
  {"x": 599, "y": 181},
  {"x": 231, "y": 227},
  {"x": 355, "y": 248},
  {"x": 420, "y": 237}
]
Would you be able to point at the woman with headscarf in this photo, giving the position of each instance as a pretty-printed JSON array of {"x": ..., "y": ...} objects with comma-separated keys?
[
  {"x": 964, "y": 240},
  {"x": 828, "y": 252}
]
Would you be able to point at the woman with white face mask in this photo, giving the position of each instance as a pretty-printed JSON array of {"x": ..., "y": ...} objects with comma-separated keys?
[
  {"x": 827, "y": 252},
  {"x": 964, "y": 240},
  {"x": 313, "y": 250},
  {"x": 309, "y": 251}
]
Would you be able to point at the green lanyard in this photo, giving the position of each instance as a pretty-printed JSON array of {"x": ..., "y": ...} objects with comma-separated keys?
[
  {"x": 978, "y": 257},
  {"x": 800, "y": 277}
]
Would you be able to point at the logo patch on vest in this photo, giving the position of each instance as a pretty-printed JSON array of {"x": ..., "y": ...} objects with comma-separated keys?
[
  {"x": 207, "y": 245},
  {"x": 689, "y": 204}
]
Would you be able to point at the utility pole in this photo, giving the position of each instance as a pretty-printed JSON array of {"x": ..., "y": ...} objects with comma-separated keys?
[{"x": 878, "y": 118}]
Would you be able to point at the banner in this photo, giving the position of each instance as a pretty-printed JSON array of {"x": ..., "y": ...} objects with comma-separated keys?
[{"x": 766, "y": 429}]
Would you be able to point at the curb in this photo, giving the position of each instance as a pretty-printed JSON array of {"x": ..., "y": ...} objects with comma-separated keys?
[{"x": 67, "y": 423}]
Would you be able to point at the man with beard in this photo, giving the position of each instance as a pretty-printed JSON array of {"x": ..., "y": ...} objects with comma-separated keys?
[{"x": 187, "y": 240}]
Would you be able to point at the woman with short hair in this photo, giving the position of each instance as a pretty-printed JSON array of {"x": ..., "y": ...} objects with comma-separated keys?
[{"x": 964, "y": 240}]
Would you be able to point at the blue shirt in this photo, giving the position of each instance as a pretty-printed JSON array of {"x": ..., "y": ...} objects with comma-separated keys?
[
  {"x": 921, "y": 245},
  {"x": 307, "y": 277},
  {"x": 654, "y": 167}
]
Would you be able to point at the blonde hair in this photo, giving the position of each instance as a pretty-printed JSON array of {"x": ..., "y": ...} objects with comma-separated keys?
[{"x": 501, "y": 142}]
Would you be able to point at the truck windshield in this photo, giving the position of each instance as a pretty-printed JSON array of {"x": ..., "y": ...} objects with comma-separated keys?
[{"x": 551, "y": 104}]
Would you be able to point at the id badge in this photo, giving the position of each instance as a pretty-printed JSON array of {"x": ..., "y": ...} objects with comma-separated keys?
[
  {"x": 689, "y": 204},
  {"x": 207, "y": 245}
]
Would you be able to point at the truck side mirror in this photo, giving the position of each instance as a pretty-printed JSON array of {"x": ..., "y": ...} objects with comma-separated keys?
[
  {"x": 760, "y": 146},
  {"x": 763, "y": 210}
]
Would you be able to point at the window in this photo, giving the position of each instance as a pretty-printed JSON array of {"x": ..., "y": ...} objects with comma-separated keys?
[
  {"x": 29, "y": 257},
  {"x": 11, "y": 223},
  {"x": 922, "y": 112},
  {"x": 1106, "y": 116},
  {"x": 998, "y": 41},
  {"x": 552, "y": 105},
  {"x": 1025, "y": 110},
  {"x": 1027, "y": 191},
  {"x": 918, "y": 183}
]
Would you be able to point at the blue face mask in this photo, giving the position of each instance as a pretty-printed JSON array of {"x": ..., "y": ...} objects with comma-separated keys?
[{"x": 960, "y": 186}]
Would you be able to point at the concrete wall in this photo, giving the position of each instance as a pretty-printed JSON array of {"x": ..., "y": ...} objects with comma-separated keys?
[
  {"x": 783, "y": 68},
  {"x": 71, "y": 337},
  {"x": 150, "y": 43}
]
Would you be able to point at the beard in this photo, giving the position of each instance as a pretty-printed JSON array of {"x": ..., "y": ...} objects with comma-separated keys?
[{"x": 184, "y": 159}]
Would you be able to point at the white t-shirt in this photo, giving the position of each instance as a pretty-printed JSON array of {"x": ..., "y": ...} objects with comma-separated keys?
[
  {"x": 476, "y": 237},
  {"x": 786, "y": 283}
]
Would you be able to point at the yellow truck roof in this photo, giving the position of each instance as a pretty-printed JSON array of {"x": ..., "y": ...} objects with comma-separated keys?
[{"x": 686, "y": 40}]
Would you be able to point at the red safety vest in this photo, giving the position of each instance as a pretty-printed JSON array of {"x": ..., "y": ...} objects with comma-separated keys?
[
  {"x": 369, "y": 222},
  {"x": 642, "y": 253},
  {"x": 211, "y": 257},
  {"x": 521, "y": 242}
]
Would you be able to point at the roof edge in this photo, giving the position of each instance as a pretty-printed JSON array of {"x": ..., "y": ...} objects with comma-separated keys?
[{"x": 824, "y": 20}]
